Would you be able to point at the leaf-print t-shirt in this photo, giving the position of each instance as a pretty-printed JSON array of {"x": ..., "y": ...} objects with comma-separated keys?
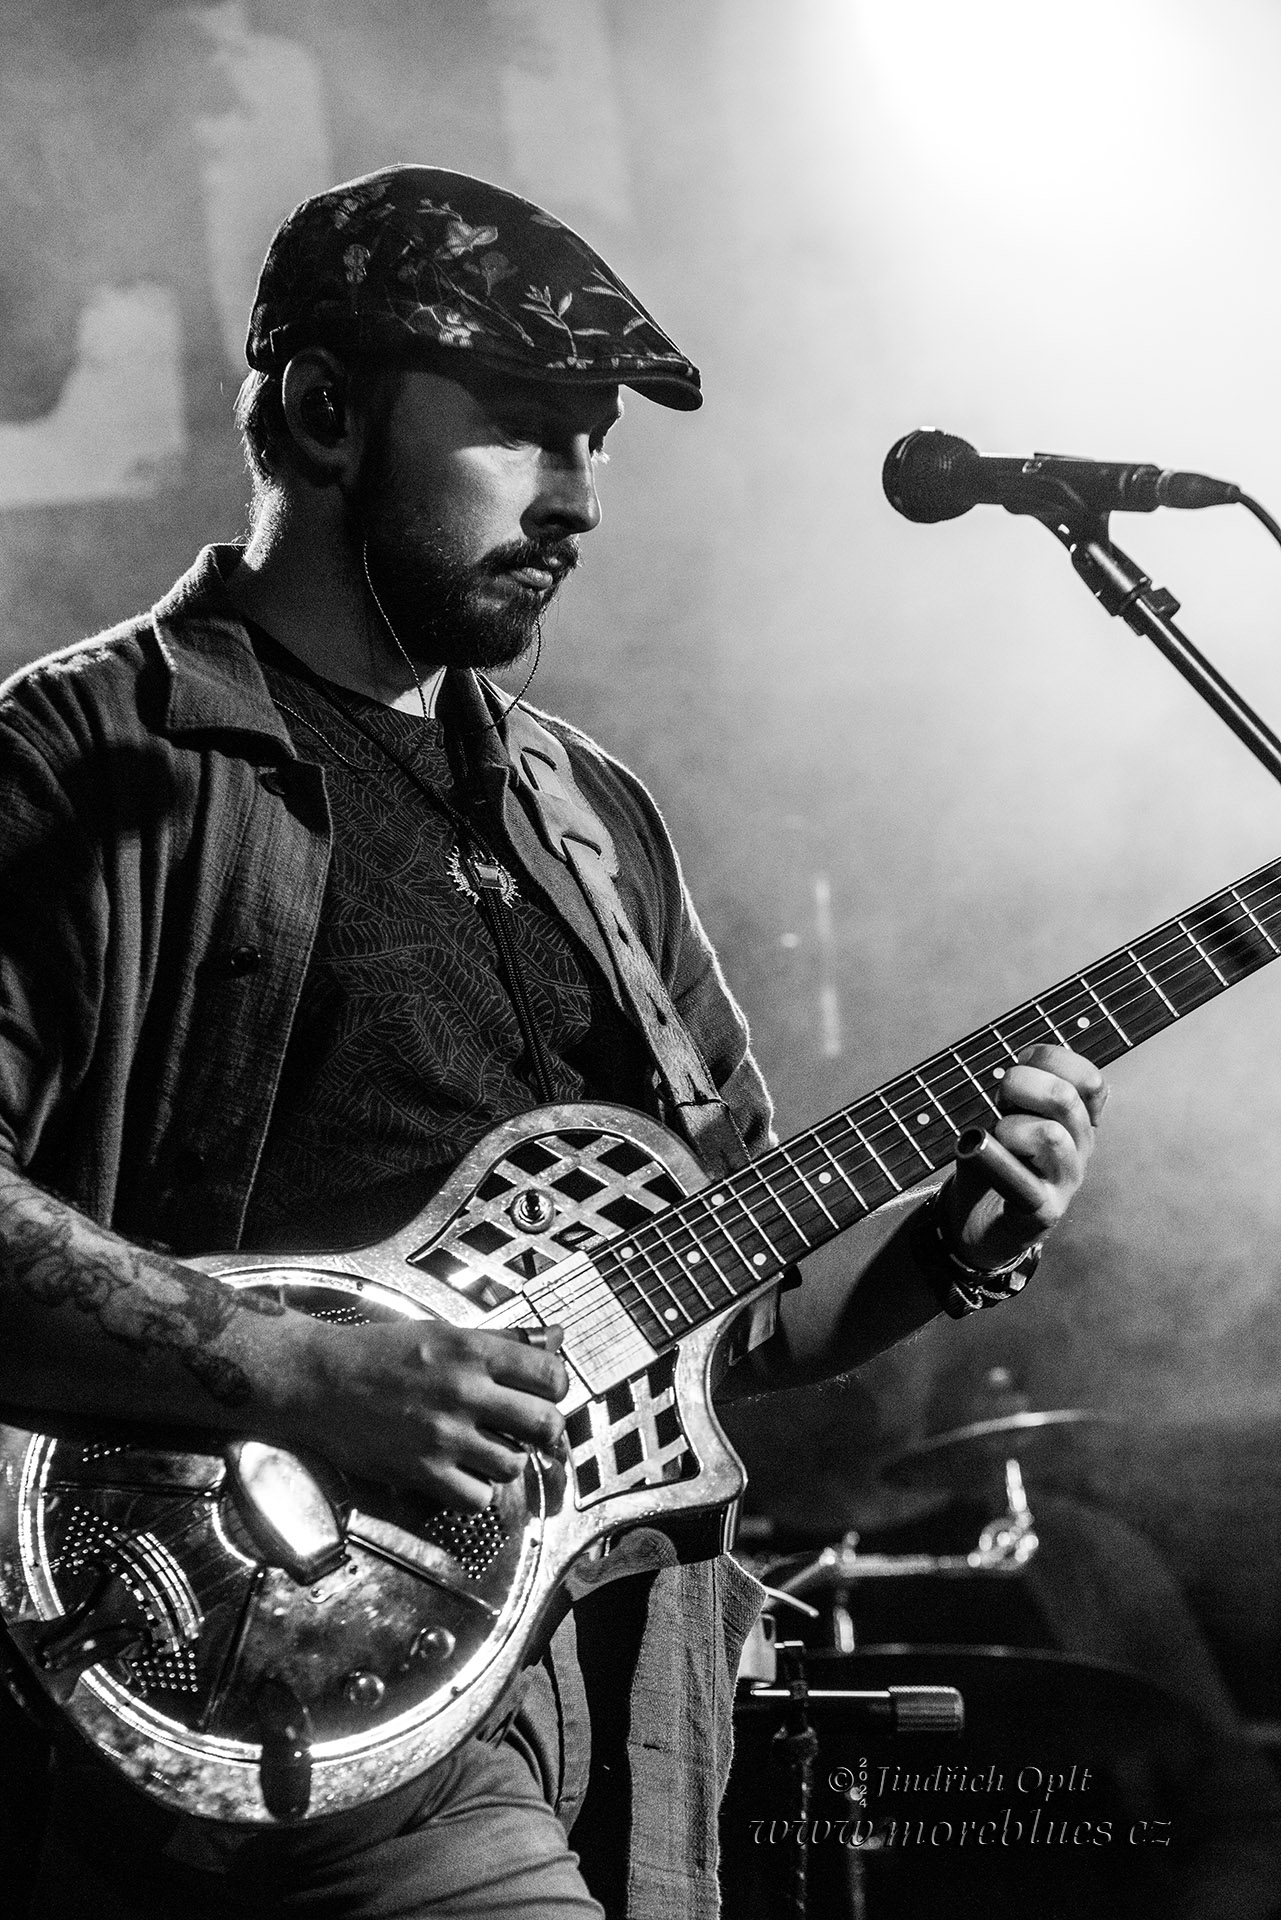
[{"x": 406, "y": 1047}]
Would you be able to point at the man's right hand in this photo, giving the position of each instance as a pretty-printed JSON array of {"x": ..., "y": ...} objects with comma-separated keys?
[
  {"x": 99, "y": 1329},
  {"x": 444, "y": 1410}
]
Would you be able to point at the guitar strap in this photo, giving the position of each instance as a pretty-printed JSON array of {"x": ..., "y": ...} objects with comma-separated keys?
[{"x": 577, "y": 836}]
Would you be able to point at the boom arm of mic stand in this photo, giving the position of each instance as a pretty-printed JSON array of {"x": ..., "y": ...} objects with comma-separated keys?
[{"x": 1124, "y": 590}]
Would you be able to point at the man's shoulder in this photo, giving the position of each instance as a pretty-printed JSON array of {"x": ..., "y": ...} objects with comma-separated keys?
[
  {"x": 185, "y": 665},
  {"x": 96, "y": 675}
]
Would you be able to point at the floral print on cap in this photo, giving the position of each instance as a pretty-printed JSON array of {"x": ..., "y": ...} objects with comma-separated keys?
[{"x": 420, "y": 255}]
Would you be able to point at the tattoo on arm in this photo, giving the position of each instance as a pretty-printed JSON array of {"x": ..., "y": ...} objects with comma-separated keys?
[{"x": 152, "y": 1305}]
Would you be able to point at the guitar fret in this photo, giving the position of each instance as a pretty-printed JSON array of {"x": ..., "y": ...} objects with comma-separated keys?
[
  {"x": 817, "y": 1198},
  {"x": 663, "y": 1283},
  {"x": 922, "y": 1157},
  {"x": 866, "y": 1144},
  {"x": 1154, "y": 984},
  {"x": 655, "y": 1324},
  {"x": 699, "y": 1244},
  {"x": 979, "y": 1088},
  {"x": 705, "y": 1243},
  {"x": 753, "y": 1262},
  {"x": 646, "y": 1291},
  {"x": 933, "y": 1099},
  {"x": 777, "y": 1252},
  {"x": 1226, "y": 928},
  {"x": 728, "y": 1248},
  {"x": 786, "y": 1212},
  {"x": 1248, "y": 911},
  {"x": 1221, "y": 978},
  {"x": 1107, "y": 1015},
  {"x": 687, "y": 1262},
  {"x": 841, "y": 1173},
  {"x": 1060, "y": 1037}
]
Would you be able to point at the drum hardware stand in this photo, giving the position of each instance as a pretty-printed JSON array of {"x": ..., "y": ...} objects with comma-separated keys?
[
  {"x": 1009, "y": 1542},
  {"x": 797, "y": 1744},
  {"x": 1005, "y": 1546},
  {"x": 890, "y": 1710}
]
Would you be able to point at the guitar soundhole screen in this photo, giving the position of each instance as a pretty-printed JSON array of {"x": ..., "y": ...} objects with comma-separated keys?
[
  {"x": 542, "y": 1200},
  {"x": 631, "y": 1437}
]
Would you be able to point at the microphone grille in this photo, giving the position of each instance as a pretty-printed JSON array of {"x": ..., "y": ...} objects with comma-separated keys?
[{"x": 927, "y": 475}]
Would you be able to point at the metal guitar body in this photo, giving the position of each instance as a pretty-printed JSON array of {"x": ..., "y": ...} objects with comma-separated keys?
[{"x": 240, "y": 1680}]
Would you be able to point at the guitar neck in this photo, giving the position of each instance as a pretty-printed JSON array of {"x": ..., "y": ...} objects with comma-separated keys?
[{"x": 678, "y": 1271}]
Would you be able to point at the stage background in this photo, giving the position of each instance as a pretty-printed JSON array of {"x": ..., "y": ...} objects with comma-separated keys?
[{"x": 915, "y": 773}]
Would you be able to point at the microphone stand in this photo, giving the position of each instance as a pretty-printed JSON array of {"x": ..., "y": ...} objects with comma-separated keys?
[{"x": 1125, "y": 591}]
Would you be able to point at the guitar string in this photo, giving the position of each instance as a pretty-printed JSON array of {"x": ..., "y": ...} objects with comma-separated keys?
[
  {"x": 1134, "y": 996},
  {"x": 786, "y": 1164},
  {"x": 1139, "y": 995},
  {"x": 992, "y": 1041},
  {"x": 759, "y": 1187},
  {"x": 786, "y": 1159}
]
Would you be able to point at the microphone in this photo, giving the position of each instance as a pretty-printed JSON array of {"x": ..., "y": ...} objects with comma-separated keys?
[{"x": 936, "y": 476}]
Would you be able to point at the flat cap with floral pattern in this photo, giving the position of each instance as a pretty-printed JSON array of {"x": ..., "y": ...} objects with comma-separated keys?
[{"x": 418, "y": 257}]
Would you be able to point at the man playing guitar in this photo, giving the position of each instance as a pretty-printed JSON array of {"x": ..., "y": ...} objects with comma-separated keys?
[{"x": 286, "y": 933}]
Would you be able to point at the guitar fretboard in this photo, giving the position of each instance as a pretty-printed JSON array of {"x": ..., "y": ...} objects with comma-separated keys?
[{"x": 702, "y": 1255}]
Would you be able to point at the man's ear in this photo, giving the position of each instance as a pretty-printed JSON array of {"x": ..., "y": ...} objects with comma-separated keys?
[{"x": 315, "y": 397}]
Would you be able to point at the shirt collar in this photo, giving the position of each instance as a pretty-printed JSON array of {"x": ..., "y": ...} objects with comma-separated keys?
[{"x": 215, "y": 682}]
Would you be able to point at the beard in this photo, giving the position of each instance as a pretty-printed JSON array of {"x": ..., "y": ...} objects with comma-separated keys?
[{"x": 447, "y": 612}]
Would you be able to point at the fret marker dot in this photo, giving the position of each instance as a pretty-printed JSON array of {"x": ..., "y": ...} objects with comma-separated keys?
[
  {"x": 922, "y": 1119},
  {"x": 758, "y": 1259},
  {"x": 670, "y": 1313},
  {"x": 693, "y": 1259},
  {"x": 718, "y": 1199},
  {"x": 998, "y": 1073},
  {"x": 1083, "y": 1020},
  {"x": 824, "y": 1179},
  {"x": 625, "y": 1253}
]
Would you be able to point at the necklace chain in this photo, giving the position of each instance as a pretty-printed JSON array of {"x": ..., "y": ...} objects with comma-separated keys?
[{"x": 382, "y": 614}]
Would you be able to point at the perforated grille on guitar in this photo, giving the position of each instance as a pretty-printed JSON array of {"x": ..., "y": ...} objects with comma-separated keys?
[
  {"x": 87, "y": 1539},
  {"x": 631, "y": 1437},
  {"x": 173, "y": 1671},
  {"x": 544, "y": 1199},
  {"x": 474, "y": 1539},
  {"x": 343, "y": 1316},
  {"x": 92, "y": 1543}
]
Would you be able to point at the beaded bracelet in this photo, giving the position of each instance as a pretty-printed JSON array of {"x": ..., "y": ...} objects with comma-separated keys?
[{"x": 959, "y": 1288}]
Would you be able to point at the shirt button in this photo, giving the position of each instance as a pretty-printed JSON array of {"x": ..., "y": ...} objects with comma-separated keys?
[{"x": 242, "y": 960}]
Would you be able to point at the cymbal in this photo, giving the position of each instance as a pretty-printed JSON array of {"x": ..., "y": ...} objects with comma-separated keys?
[{"x": 1055, "y": 1447}]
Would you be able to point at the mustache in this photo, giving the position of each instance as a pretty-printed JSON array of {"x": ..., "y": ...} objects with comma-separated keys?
[{"x": 558, "y": 557}]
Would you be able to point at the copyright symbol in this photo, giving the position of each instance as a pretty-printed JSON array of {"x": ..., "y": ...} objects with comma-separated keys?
[{"x": 841, "y": 1779}]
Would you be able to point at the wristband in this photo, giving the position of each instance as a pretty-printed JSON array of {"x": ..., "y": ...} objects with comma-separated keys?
[{"x": 959, "y": 1288}]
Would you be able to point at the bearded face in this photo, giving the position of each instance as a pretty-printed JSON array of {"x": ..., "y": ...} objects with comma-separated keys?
[{"x": 467, "y": 508}]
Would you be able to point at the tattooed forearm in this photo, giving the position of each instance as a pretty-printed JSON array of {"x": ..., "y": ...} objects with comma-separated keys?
[
  {"x": 221, "y": 1379},
  {"x": 154, "y": 1306}
]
